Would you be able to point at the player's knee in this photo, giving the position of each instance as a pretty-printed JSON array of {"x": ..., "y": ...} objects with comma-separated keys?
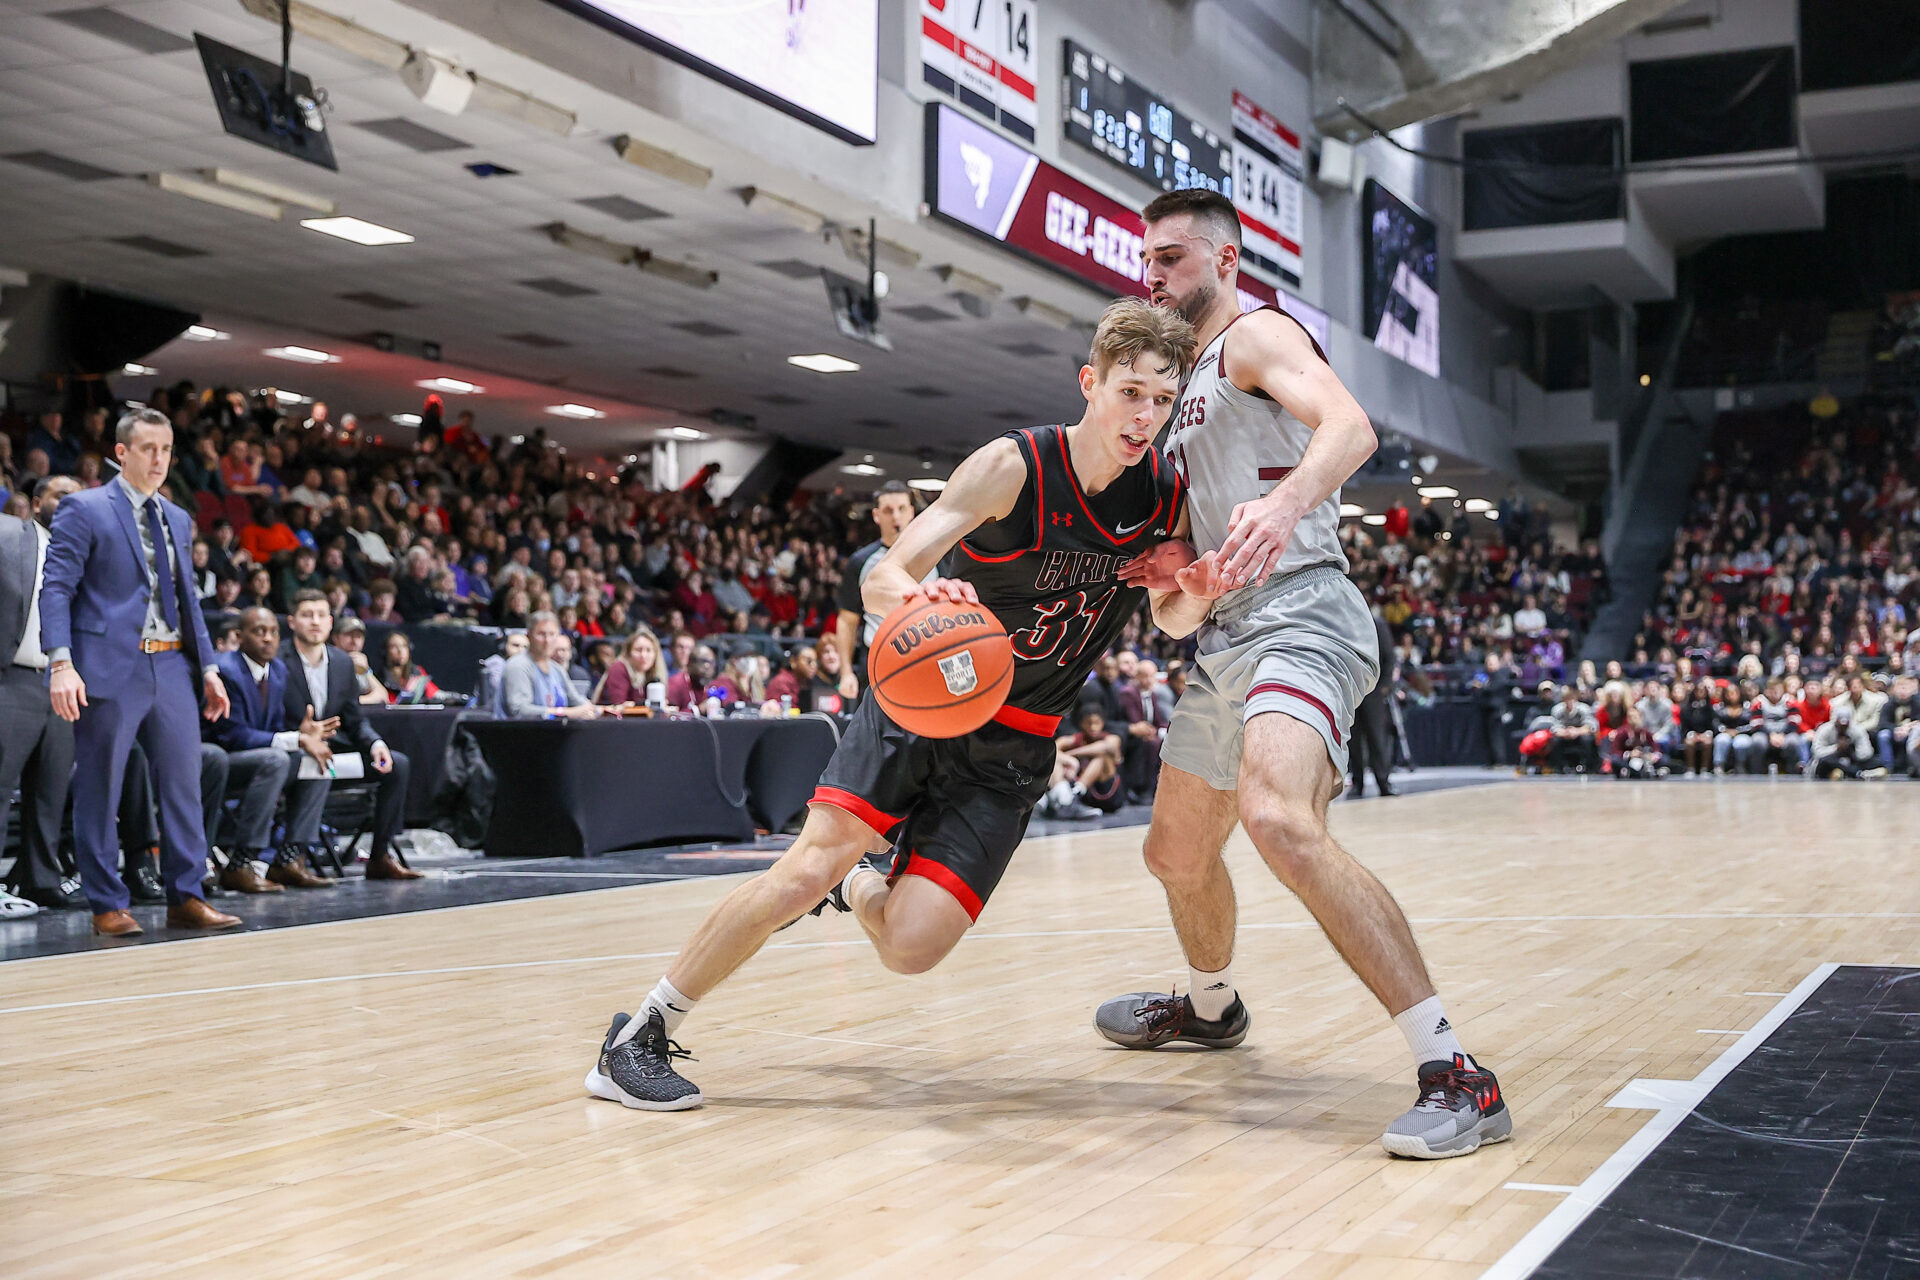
[
  {"x": 1288, "y": 834},
  {"x": 1176, "y": 861},
  {"x": 914, "y": 956},
  {"x": 797, "y": 887}
]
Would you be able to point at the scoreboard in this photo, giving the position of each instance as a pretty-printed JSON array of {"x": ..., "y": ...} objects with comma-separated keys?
[{"x": 1110, "y": 112}]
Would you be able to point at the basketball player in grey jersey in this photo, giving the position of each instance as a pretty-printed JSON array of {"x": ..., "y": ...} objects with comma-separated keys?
[{"x": 1265, "y": 434}]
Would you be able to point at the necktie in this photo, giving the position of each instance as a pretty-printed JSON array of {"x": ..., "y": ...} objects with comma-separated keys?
[
  {"x": 263, "y": 693},
  {"x": 163, "y": 569}
]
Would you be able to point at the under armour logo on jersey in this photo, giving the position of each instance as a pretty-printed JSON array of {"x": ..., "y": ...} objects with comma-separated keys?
[{"x": 1063, "y": 518}]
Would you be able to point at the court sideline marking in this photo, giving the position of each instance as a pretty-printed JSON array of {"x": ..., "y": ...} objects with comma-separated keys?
[{"x": 1675, "y": 1100}]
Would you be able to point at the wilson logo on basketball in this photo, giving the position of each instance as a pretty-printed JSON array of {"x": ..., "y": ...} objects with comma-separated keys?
[{"x": 927, "y": 628}]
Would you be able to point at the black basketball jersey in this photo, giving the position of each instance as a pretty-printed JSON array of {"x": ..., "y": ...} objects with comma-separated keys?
[{"x": 1050, "y": 569}]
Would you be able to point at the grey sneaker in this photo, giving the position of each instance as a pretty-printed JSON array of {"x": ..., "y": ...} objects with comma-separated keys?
[
  {"x": 1149, "y": 1019},
  {"x": 639, "y": 1073},
  {"x": 1460, "y": 1110}
]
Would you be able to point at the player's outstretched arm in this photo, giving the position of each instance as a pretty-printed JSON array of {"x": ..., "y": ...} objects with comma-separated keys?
[
  {"x": 984, "y": 487},
  {"x": 1271, "y": 353}
]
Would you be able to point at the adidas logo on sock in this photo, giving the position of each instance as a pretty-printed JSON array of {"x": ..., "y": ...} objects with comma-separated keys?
[
  {"x": 1218, "y": 986},
  {"x": 1444, "y": 1026}
]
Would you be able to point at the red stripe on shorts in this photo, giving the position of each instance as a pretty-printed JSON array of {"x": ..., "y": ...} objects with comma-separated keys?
[
  {"x": 859, "y": 808},
  {"x": 944, "y": 876},
  {"x": 1274, "y": 686}
]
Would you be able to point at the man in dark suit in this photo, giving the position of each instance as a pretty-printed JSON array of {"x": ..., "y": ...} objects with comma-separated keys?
[
  {"x": 322, "y": 688},
  {"x": 36, "y": 746},
  {"x": 264, "y": 756},
  {"x": 1372, "y": 743},
  {"x": 127, "y": 651}
]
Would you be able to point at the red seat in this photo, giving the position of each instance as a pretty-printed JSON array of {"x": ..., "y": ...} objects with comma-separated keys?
[
  {"x": 207, "y": 508},
  {"x": 239, "y": 512}
]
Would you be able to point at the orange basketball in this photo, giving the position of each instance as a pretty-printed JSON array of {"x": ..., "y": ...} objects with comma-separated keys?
[{"x": 940, "y": 669}]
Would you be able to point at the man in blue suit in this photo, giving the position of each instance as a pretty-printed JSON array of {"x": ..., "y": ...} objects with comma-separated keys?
[
  {"x": 127, "y": 649},
  {"x": 264, "y": 755}
]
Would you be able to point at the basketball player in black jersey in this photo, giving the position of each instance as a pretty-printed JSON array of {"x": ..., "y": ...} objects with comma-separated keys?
[{"x": 1035, "y": 527}]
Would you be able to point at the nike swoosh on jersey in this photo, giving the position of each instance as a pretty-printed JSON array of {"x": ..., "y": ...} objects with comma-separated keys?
[{"x": 1124, "y": 530}]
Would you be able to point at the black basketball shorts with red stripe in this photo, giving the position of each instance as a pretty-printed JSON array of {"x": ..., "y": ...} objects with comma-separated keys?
[{"x": 955, "y": 808}]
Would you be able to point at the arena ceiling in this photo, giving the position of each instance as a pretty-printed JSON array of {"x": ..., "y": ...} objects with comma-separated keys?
[{"x": 93, "y": 98}]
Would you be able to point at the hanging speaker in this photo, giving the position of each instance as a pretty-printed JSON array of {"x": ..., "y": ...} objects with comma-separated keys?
[{"x": 1336, "y": 164}]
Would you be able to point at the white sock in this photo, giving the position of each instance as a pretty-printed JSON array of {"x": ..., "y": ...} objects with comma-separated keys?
[
  {"x": 673, "y": 1008},
  {"x": 1428, "y": 1032},
  {"x": 1062, "y": 794},
  {"x": 862, "y": 867},
  {"x": 1211, "y": 993}
]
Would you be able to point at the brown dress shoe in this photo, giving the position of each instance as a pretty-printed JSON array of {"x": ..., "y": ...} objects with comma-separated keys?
[
  {"x": 116, "y": 924},
  {"x": 385, "y": 866},
  {"x": 291, "y": 870},
  {"x": 242, "y": 878},
  {"x": 194, "y": 913}
]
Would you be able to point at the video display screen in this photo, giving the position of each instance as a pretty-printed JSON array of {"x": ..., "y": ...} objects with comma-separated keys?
[
  {"x": 1402, "y": 301},
  {"x": 817, "y": 60}
]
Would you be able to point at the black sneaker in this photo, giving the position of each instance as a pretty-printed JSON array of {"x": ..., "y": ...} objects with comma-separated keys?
[
  {"x": 834, "y": 901},
  {"x": 1149, "y": 1019},
  {"x": 639, "y": 1073},
  {"x": 1459, "y": 1111}
]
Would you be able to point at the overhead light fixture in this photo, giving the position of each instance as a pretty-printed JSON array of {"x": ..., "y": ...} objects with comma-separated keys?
[
  {"x": 207, "y": 193},
  {"x": 1417, "y": 481},
  {"x": 290, "y": 397},
  {"x": 139, "y": 370},
  {"x": 886, "y": 252},
  {"x": 269, "y": 189},
  {"x": 202, "y": 333},
  {"x": 404, "y": 419},
  {"x": 452, "y": 386},
  {"x": 685, "y": 433},
  {"x": 621, "y": 255},
  {"x": 791, "y": 212},
  {"x": 302, "y": 355},
  {"x": 864, "y": 469},
  {"x": 927, "y": 484},
  {"x": 1351, "y": 509},
  {"x": 661, "y": 161},
  {"x": 1491, "y": 515},
  {"x": 678, "y": 272},
  {"x": 824, "y": 363},
  {"x": 1477, "y": 505},
  {"x": 1375, "y": 521},
  {"x": 1045, "y": 312},
  {"x": 1646, "y": 380},
  {"x": 968, "y": 283},
  {"x": 1430, "y": 463},
  {"x": 1439, "y": 491},
  {"x": 357, "y": 230},
  {"x": 580, "y": 411}
]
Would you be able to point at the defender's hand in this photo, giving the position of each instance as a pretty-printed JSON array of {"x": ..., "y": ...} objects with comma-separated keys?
[
  {"x": 1257, "y": 535},
  {"x": 1155, "y": 569}
]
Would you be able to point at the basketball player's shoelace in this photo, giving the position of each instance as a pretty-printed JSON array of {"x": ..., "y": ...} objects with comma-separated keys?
[{"x": 1167, "y": 1011}]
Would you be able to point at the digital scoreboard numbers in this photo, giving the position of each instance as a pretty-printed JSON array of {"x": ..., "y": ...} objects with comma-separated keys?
[
  {"x": 984, "y": 55},
  {"x": 1110, "y": 112}
]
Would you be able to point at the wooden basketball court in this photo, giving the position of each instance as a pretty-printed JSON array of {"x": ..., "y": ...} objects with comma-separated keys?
[{"x": 401, "y": 1095}]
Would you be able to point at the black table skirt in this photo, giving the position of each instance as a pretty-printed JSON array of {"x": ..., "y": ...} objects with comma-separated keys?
[
  {"x": 422, "y": 733},
  {"x": 572, "y": 788},
  {"x": 1446, "y": 733}
]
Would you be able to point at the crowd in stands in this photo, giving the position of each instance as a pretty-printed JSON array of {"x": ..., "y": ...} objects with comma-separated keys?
[
  {"x": 1460, "y": 590},
  {"x": 1799, "y": 548},
  {"x": 1850, "y": 723}
]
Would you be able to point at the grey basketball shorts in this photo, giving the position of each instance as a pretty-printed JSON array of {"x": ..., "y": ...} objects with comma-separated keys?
[{"x": 1303, "y": 645}]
